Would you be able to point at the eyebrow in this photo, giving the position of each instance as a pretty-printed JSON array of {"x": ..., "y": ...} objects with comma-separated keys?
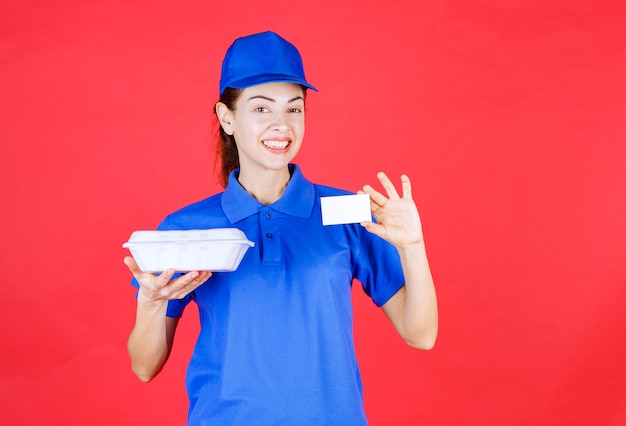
[{"x": 273, "y": 100}]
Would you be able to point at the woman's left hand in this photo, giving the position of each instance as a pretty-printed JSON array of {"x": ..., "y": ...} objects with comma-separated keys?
[{"x": 397, "y": 217}]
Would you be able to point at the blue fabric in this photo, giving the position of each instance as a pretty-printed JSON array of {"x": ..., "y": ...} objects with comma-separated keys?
[
  {"x": 276, "y": 343},
  {"x": 261, "y": 58}
]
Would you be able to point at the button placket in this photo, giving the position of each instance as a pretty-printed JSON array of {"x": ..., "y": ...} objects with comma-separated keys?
[{"x": 270, "y": 231}]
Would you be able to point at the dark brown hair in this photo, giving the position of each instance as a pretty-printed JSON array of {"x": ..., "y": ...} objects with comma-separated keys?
[{"x": 227, "y": 154}]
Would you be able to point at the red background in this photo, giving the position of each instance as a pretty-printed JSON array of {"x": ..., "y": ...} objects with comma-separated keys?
[{"x": 509, "y": 116}]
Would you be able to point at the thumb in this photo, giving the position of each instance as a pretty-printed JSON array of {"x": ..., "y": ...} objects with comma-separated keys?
[
  {"x": 132, "y": 265},
  {"x": 375, "y": 228}
]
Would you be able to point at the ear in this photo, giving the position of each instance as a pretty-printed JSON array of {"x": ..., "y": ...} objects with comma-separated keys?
[{"x": 225, "y": 116}]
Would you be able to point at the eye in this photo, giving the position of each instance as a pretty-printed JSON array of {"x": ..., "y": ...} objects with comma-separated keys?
[
  {"x": 261, "y": 109},
  {"x": 295, "y": 109}
]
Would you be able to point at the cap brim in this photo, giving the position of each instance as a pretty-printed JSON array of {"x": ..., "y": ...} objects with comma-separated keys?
[{"x": 257, "y": 80}]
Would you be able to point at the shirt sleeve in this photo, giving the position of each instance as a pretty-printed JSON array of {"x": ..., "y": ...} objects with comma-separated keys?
[{"x": 378, "y": 268}]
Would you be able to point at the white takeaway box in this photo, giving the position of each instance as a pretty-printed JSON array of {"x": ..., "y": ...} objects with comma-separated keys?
[{"x": 216, "y": 250}]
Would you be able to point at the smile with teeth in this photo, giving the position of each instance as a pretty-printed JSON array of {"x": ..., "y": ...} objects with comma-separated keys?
[{"x": 275, "y": 144}]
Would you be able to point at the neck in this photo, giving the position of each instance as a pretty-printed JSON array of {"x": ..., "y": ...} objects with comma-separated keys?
[{"x": 267, "y": 187}]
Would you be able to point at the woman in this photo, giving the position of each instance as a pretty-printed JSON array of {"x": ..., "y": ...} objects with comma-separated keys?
[{"x": 276, "y": 345}]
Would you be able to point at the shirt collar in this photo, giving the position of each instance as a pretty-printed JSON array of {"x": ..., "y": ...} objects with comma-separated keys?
[{"x": 297, "y": 200}]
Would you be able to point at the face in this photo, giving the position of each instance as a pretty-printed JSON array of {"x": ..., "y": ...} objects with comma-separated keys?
[{"x": 267, "y": 124}]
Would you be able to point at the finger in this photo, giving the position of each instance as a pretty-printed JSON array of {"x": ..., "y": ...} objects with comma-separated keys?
[
  {"x": 376, "y": 198},
  {"x": 406, "y": 187},
  {"x": 132, "y": 265},
  {"x": 146, "y": 279},
  {"x": 165, "y": 277},
  {"x": 172, "y": 289},
  {"x": 386, "y": 183},
  {"x": 190, "y": 279},
  {"x": 375, "y": 229},
  {"x": 203, "y": 276},
  {"x": 200, "y": 279},
  {"x": 187, "y": 283},
  {"x": 373, "y": 205}
]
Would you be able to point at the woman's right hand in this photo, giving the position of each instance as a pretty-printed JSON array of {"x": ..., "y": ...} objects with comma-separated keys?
[{"x": 153, "y": 288}]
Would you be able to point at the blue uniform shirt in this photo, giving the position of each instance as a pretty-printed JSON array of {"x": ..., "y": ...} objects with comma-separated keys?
[{"x": 276, "y": 344}]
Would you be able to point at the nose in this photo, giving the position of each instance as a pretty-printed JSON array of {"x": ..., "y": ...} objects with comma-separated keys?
[{"x": 281, "y": 122}]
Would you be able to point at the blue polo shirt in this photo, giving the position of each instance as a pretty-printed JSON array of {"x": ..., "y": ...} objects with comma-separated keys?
[{"x": 276, "y": 344}]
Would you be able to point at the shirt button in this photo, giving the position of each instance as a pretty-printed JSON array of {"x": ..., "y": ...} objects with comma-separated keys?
[
  {"x": 269, "y": 236},
  {"x": 268, "y": 215}
]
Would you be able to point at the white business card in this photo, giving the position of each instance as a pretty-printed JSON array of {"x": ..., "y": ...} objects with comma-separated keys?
[{"x": 344, "y": 209}]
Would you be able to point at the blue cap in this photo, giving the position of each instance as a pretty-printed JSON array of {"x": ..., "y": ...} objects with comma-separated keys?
[{"x": 261, "y": 58}]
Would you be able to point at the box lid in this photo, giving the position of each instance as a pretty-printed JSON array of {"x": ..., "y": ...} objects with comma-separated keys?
[{"x": 231, "y": 235}]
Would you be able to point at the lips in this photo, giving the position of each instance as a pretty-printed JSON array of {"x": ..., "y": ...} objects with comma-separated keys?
[{"x": 276, "y": 143}]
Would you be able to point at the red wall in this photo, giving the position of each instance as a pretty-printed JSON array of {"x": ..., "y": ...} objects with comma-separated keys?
[{"x": 508, "y": 116}]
